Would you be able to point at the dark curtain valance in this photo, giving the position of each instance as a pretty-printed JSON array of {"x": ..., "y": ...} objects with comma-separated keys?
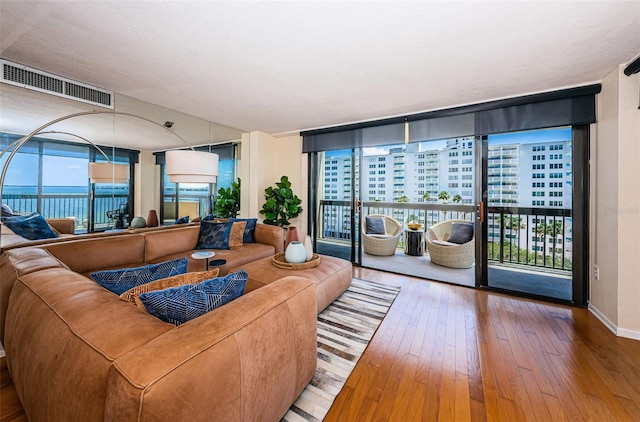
[
  {"x": 224, "y": 151},
  {"x": 573, "y": 106},
  {"x": 354, "y": 138}
]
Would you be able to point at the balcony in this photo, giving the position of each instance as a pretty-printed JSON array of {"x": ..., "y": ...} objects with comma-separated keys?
[{"x": 520, "y": 241}]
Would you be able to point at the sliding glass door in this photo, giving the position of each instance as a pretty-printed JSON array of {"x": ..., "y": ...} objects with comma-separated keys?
[{"x": 530, "y": 191}]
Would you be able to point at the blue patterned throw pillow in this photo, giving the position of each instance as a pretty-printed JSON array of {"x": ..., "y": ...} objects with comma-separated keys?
[
  {"x": 182, "y": 220},
  {"x": 119, "y": 281},
  {"x": 249, "y": 231},
  {"x": 214, "y": 235},
  {"x": 177, "y": 305},
  {"x": 32, "y": 226}
]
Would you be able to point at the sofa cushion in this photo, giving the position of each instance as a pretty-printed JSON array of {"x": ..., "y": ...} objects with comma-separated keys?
[
  {"x": 237, "y": 234},
  {"x": 461, "y": 233},
  {"x": 214, "y": 235},
  {"x": 119, "y": 281},
  {"x": 375, "y": 225},
  {"x": 249, "y": 231},
  {"x": 181, "y": 304},
  {"x": 32, "y": 226},
  {"x": 133, "y": 295}
]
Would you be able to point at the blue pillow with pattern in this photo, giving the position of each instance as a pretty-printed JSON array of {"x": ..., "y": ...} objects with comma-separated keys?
[
  {"x": 182, "y": 220},
  {"x": 249, "y": 231},
  {"x": 32, "y": 226},
  {"x": 214, "y": 235},
  {"x": 119, "y": 281},
  {"x": 177, "y": 305}
]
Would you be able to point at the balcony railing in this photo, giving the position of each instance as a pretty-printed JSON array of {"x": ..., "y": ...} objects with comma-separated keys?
[
  {"x": 67, "y": 205},
  {"x": 538, "y": 237}
]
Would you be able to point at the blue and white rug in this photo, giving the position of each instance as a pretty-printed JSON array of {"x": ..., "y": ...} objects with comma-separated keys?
[{"x": 344, "y": 330}]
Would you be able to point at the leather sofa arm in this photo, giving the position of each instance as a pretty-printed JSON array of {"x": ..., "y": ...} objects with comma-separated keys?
[
  {"x": 270, "y": 235},
  {"x": 63, "y": 225},
  {"x": 245, "y": 361}
]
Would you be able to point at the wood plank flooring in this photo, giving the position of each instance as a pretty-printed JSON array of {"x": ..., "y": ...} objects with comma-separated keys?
[{"x": 450, "y": 353}]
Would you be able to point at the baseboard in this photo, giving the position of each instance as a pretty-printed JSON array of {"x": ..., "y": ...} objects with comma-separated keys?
[{"x": 620, "y": 332}]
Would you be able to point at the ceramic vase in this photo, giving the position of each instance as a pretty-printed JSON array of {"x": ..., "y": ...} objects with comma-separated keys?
[
  {"x": 295, "y": 253},
  {"x": 152, "y": 218},
  {"x": 292, "y": 234},
  {"x": 138, "y": 223},
  {"x": 308, "y": 247}
]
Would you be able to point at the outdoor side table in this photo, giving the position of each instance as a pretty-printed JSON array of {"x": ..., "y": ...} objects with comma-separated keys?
[{"x": 414, "y": 242}]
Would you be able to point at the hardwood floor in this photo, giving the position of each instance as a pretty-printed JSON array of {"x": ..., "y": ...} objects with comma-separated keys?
[{"x": 450, "y": 353}]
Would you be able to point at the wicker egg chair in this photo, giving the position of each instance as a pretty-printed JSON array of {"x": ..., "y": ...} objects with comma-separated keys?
[
  {"x": 378, "y": 244},
  {"x": 449, "y": 255}
]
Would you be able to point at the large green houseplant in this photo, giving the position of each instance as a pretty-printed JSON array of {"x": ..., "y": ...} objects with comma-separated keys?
[
  {"x": 227, "y": 203},
  {"x": 281, "y": 204}
]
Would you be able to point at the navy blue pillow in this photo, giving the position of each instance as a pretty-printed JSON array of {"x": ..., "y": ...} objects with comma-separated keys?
[
  {"x": 119, "y": 281},
  {"x": 177, "y": 305},
  {"x": 32, "y": 226},
  {"x": 208, "y": 217},
  {"x": 249, "y": 231},
  {"x": 6, "y": 211},
  {"x": 214, "y": 235},
  {"x": 375, "y": 225},
  {"x": 461, "y": 233},
  {"x": 182, "y": 220}
]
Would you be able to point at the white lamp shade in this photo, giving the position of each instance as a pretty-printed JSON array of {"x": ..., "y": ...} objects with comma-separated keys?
[
  {"x": 108, "y": 173},
  {"x": 187, "y": 166}
]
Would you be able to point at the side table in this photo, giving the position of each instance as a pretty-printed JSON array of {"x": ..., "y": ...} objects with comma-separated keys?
[
  {"x": 204, "y": 255},
  {"x": 414, "y": 242}
]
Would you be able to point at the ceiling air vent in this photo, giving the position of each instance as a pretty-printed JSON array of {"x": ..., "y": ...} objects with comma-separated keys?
[{"x": 37, "y": 80}]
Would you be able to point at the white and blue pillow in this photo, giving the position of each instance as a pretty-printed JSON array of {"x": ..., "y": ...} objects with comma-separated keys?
[
  {"x": 178, "y": 305},
  {"x": 214, "y": 235},
  {"x": 121, "y": 280},
  {"x": 249, "y": 231},
  {"x": 32, "y": 226}
]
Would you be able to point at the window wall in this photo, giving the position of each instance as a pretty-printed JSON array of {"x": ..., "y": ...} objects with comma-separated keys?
[
  {"x": 51, "y": 177},
  {"x": 196, "y": 199}
]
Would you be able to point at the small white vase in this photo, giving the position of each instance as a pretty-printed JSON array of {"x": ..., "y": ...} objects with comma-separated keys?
[
  {"x": 295, "y": 253},
  {"x": 309, "y": 247}
]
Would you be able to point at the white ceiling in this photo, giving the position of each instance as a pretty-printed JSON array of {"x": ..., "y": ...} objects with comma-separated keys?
[{"x": 282, "y": 67}]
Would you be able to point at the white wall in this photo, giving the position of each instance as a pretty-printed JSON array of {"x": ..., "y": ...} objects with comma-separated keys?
[
  {"x": 615, "y": 297},
  {"x": 263, "y": 160}
]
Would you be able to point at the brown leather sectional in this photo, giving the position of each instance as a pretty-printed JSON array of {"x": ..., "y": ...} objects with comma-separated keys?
[{"x": 75, "y": 351}]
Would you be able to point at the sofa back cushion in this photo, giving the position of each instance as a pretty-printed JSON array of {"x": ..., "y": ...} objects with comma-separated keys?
[
  {"x": 166, "y": 242},
  {"x": 87, "y": 255}
]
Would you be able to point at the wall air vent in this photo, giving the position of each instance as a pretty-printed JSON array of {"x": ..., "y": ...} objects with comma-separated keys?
[{"x": 37, "y": 80}]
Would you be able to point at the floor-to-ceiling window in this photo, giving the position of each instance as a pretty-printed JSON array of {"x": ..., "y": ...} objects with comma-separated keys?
[
  {"x": 51, "y": 177},
  {"x": 478, "y": 175},
  {"x": 196, "y": 199}
]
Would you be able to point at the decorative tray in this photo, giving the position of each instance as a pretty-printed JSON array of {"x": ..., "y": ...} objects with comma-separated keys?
[{"x": 279, "y": 261}]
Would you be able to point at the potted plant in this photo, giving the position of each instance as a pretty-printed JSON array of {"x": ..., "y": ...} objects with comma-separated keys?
[
  {"x": 227, "y": 203},
  {"x": 281, "y": 205}
]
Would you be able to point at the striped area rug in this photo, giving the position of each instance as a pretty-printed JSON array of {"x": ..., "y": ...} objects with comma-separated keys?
[{"x": 344, "y": 330}]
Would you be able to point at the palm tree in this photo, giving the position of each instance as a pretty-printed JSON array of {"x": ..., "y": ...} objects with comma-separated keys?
[
  {"x": 403, "y": 199},
  {"x": 552, "y": 230},
  {"x": 444, "y": 196},
  {"x": 426, "y": 196},
  {"x": 457, "y": 198}
]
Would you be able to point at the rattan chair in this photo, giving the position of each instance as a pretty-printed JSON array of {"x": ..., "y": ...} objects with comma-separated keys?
[
  {"x": 449, "y": 255},
  {"x": 382, "y": 245}
]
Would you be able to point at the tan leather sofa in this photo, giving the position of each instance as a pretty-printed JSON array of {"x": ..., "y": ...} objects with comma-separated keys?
[{"x": 75, "y": 351}]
